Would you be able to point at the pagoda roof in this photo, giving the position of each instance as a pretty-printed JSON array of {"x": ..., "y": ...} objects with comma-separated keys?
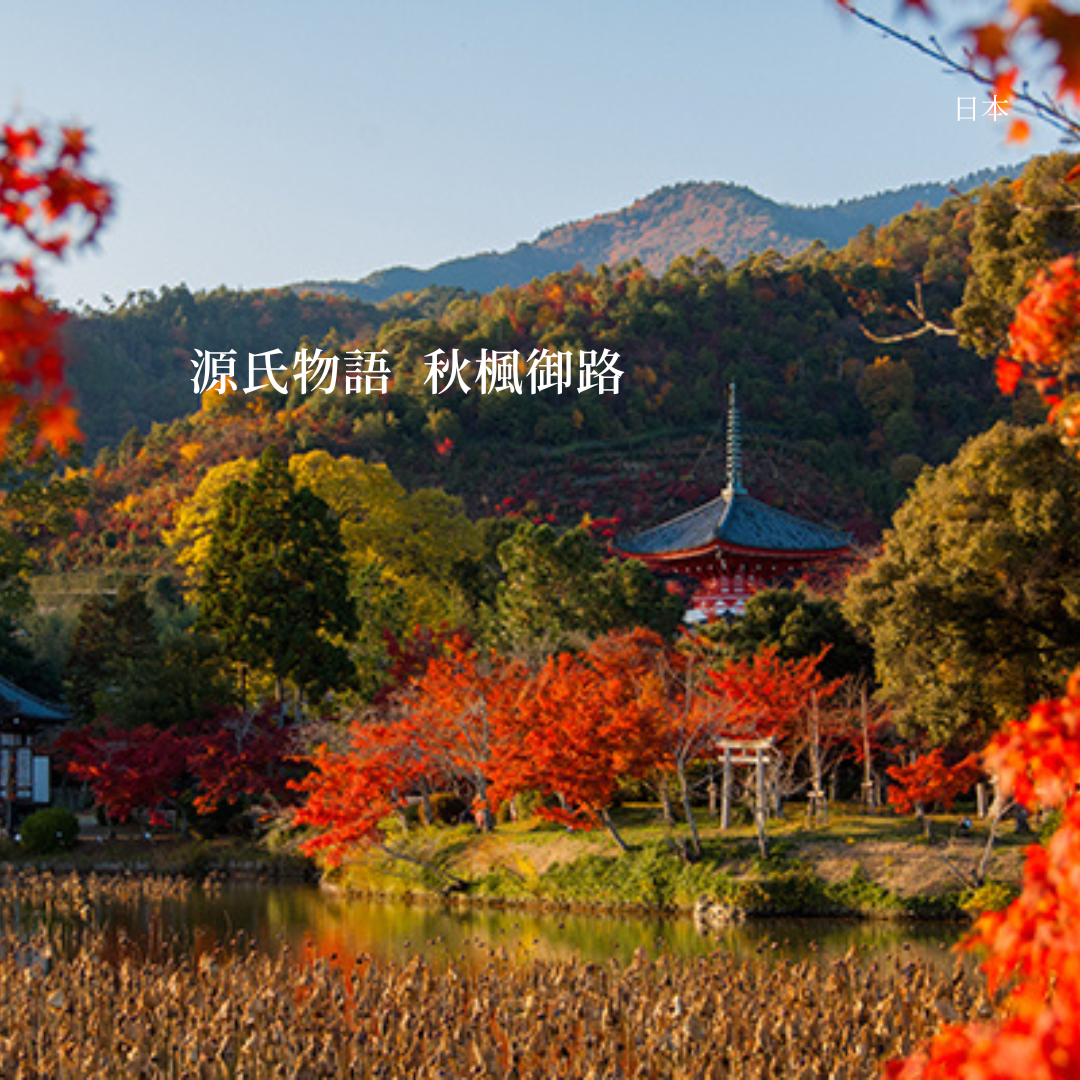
[
  {"x": 734, "y": 520},
  {"x": 29, "y": 706}
]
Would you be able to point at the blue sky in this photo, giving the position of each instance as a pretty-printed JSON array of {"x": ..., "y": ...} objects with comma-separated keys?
[{"x": 258, "y": 142}]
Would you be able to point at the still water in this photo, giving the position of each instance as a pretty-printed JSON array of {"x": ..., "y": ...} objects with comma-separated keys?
[{"x": 304, "y": 919}]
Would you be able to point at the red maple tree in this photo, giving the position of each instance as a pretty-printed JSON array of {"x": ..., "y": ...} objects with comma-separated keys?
[
  {"x": 127, "y": 769},
  {"x": 47, "y": 206},
  {"x": 928, "y": 780},
  {"x": 241, "y": 754},
  {"x": 585, "y": 723},
  {"x": 1034, "y": 945},
  {"x": 348, "y": 795}
]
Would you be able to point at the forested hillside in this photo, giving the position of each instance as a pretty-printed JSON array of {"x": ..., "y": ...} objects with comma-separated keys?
[
  {"x": 131, "y": 365},
  {"x": 837, "y": 425}
]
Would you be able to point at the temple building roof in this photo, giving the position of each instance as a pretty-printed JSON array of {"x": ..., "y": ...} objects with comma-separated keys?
[
  {"x": 14, "y": 701},
  {"x": 734, "y": 520}
]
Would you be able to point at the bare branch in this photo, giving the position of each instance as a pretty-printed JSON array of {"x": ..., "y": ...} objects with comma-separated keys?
[
  {"x": 927, "y": 326},
  {"x": 1025, "y": 101}
]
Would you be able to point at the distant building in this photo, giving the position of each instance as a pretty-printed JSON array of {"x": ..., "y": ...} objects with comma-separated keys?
[
  {"x": 734, "y": 545},
  {"x": 28, "y": 725}
]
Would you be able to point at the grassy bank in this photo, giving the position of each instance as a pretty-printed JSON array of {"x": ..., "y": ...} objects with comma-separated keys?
[{"x": 867, "y": 866}]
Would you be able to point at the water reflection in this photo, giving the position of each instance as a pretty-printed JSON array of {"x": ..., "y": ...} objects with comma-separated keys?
[{"x": 304, "y": 919}]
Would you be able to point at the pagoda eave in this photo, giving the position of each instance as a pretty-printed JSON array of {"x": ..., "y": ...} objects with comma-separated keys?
[{"x": 720, "y": 551}]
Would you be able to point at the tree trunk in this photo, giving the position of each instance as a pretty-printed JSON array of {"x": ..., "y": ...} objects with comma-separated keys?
[
  {"x": 759, "y": 806},
  {"x": 995, "y": 819},
  {"x": 725, "y": 799},
  {"x": 665, "y": 801},
  {"x": 870, "y": 800},
  {"x": 684, "y": 790},
  {"x": 426, "y": 864},
  {"x": 924, "y": 820},
  {"x": 610, "y": 825}
]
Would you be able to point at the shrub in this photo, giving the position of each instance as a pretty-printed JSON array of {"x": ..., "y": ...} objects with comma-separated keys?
[
  {"x": 1048, "y": 825},
  {"x": 991, "y": 896},
  {"x": 47, "y": 831}
]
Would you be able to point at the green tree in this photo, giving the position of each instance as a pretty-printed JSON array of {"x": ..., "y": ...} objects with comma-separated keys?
[
  {"x": 18, "y": 661},
  {"x": 112, "y": 635},
  {"x": 275, "y": 582},
  {"x": 182, "y": 681},
  {"x": 393, "y": 538},
  {"x": 973, "y": 604},
  {"x": 408, "y": 541},
  {"x": 560, "y": 592},
  {"x": 798, "y": 626}
]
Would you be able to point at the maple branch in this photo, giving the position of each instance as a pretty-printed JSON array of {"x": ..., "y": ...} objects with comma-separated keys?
[{"x": 1026, "y": 102}]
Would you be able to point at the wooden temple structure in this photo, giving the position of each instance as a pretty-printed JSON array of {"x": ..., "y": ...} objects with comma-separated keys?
[
  {"x": 28, "y": 725},
  {"x": 733, "y": 545}
]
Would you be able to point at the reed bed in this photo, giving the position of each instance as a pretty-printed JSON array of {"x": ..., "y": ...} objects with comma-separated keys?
[
  {"x": 71, "y": 894},
  {"x": 94, "y": 1011}
]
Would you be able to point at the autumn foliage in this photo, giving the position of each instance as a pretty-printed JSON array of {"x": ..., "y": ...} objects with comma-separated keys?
[
  {"x": 47, "y": 206},
  {"x": 1033, "y": 946},
  {"x": 242, "y": 754},
  {"x": 127, "y": 770},
  {"x": 928, "y": 780},
  {"x": 573, "y": 729},
  {"x": 585, "y": 723},
  {"x": 237, "y": 755}
]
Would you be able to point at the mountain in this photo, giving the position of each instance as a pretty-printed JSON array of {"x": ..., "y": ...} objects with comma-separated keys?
[{"x": 731, "y": 221}]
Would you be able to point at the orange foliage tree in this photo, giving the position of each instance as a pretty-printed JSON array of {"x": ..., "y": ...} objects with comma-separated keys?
[
  {"x": 458, "y": 706},
  {"x": 47, "y": 206},
  {"x": 349, "y": 794},
  {"x": 1034, "y": 945},
  {"x": 929, "y": 780},
  {"x": 587, "y": 722},
  {"x": 437, "y": 732}
]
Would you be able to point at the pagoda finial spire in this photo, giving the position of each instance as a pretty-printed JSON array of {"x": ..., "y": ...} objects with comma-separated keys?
[{"x": 734, "y": 447}]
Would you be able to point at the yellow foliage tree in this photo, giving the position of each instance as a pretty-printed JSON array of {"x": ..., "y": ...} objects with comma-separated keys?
[
  {"x": 393, "y": 538},
  {"x": 408, "y": 540}
]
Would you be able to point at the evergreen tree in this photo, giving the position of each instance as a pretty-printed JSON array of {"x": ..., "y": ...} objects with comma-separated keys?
[
  {"x": 275, "y": 584},
  {"x": 113, "y": 634},
  {"x": 798, "y": 626},
  {"x": 560, "y": 592}
]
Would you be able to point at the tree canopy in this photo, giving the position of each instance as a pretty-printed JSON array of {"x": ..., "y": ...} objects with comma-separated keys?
[
  {"x": 1019, "y": 227},
  {"x": 560, "y": 592},
  {"x": 798, "y": 625},
  {"x": 973, "y": 603}
]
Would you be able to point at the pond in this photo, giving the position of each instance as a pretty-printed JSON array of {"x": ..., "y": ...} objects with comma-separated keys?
[
  {"x": 140, "y": 976},
  {"x": 272, "y": 917}
]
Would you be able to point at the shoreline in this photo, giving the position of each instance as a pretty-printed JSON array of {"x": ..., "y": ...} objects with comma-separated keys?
[{"x": 858, "y": 868}]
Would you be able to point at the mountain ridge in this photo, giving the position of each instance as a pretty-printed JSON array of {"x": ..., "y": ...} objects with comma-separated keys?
[{"x": 730, "y": 220}]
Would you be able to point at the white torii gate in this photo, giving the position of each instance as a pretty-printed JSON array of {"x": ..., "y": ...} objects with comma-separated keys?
[{"x": 760, "y": 753}]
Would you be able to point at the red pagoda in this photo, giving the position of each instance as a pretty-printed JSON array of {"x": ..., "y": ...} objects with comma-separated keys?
[{"x": 734, "y": 545}]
